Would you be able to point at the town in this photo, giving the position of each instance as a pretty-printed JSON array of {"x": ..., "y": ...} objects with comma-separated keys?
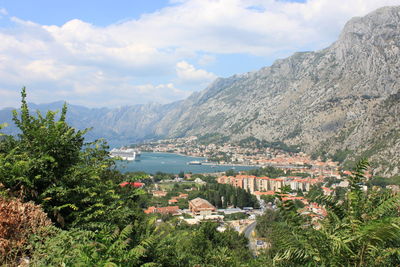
[
  {"x": 279, "y": 175},
  {"x": 246, "y": 152}
]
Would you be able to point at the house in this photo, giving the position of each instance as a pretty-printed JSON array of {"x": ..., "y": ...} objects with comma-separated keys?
[
  {"x": 172, "y": 201},
  {"x": 174, "y": 210},
  {"x": 327, "y": 191},
  {"x": 183, "y": 196},
  {"x": 199, "y": 206},
  {"x": 159, "y": 193},
  {"x": 199, "y": 181}
]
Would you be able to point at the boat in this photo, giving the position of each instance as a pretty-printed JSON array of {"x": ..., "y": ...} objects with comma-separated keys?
[
  {"x": 124, "y": 153},
  {"x": 195, "y": 162}
]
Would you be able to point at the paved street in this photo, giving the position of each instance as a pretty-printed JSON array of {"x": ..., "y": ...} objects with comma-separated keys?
[{"x": 248, "y": 233}]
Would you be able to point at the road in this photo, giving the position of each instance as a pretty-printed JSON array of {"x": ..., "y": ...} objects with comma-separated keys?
[
  {"x": 249, "y": 229},
  {"x": 247, "y": 232}
]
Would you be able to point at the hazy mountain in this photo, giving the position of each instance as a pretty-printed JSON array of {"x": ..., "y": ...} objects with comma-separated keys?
[
  {"x": 120, "y": 126},
  {"x": 341, "y": 100}
]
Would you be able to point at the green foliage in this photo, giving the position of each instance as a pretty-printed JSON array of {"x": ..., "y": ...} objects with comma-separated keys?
[
  {"x": 49, "y": 163},
  {"x": 210, "y": 179},
  {"x": 201, "y": 246},
  {"x": 231, "y": 172},
  {"x": 315, "y": 192},
  {"x": 232, "y": 196},
  {"x": 220, "y": 156},
  {"x": 236, "y": 216},
  {"x": 266, "y": 171},
  {"x": 383, "y": 182},
  {"x": 363, "y": 229},
  {"x": 102, "y": 224},
  {"x": 211, "y": 138},
  {"x": 268, "y": 198},
  {"x": 341, "y": 155},
  {"x": 159, "y": 176},
  {"x": 109, "y": 246},
  {"x": 257, "y": 143},
  {"x": 135, "y": 176},
  {"x": 3, "y": 125},
  {"x": 329, "y": 181}
]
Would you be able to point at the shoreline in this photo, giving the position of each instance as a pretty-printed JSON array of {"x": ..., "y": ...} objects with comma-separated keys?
[
  {"x": 207, "y": 163},
  {"x": 153, "y": 162}
]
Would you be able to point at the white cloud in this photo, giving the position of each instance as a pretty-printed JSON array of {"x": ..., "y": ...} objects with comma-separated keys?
[
  {"x": 8, "y": 97},
  {"x": 188, "y": 74},
  {"x": 205, "y": 60},
  {"x": 84, "y": 63},
  {"x": 3, "y": 12}
]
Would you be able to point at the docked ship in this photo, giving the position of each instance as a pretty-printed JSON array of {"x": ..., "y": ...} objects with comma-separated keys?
[
  {"x": 194, "y": 163},
  {"x": 125, "y": 153}
]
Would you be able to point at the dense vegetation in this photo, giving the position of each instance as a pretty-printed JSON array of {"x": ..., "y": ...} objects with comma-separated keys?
[
  {"x": 268, "y": 171},
  {"x": 61, "y": 205},
  {"x": 220, "y": 195},
  {"x": 362, "y": 229},
  {"x": 95, "y": 221},
  {"x": 224, "y": 195},
  {"x": 257, "y": 143}
]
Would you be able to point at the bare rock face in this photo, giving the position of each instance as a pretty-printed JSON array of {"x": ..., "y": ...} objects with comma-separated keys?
[{"x": 326, "y": 101}]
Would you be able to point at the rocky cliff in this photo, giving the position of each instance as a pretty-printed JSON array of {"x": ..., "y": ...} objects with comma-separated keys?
[{"x": 343, "y": 99}]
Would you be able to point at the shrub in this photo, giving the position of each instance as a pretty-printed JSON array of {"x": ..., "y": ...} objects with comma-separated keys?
[{"x": 18, "y": 221}]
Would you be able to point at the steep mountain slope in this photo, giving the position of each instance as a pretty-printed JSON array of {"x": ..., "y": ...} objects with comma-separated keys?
[
  {"x": 326, "y": 101},
  {"x": 342, "y": 101}
]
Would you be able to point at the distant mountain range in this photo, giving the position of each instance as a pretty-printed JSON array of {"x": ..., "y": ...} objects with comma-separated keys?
[{"x": 342, "y": 101}]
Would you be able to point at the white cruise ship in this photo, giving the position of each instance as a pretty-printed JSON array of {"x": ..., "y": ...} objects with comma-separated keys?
[{"x": 125, "y": 153}]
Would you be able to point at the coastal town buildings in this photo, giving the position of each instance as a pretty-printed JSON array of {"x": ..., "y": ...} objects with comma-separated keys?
[
  {"x": 254, "y": 184},
  {"x": 228, "y": 154},
  {"x": 159, "y": 193},
  {"x": 174, "y": 210}
]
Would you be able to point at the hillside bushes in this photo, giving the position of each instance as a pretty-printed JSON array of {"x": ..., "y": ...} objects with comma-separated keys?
[{"x": 18, "y": 221}]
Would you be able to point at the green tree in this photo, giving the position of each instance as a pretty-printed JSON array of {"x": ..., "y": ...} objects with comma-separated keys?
[
  {"x": 361, "y": 230},
  {"x": 49, "y": 163}
]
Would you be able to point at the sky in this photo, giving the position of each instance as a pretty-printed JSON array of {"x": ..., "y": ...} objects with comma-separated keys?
[{"x": 101, "y": 53}]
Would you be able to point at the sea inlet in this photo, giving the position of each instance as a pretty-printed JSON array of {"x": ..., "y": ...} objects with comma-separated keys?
[{"x": 173, "y": 163}]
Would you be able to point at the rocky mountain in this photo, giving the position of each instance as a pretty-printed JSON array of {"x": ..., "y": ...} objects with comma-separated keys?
[{"x": 342, "y": 101}]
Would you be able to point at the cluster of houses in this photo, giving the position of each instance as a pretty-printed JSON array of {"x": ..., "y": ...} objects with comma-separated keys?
[
  {"x": 237, "y": 154},
  {"x": 264, "y": 186},
  {"x": 197, "y": 207},
  {"x": 175, "y": 200}
]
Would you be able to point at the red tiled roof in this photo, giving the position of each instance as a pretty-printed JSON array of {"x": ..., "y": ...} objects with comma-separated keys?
[
  {"x": 258, "y": 193},
  {"x": 164, "y": 210},
  {"x": 135, "y": 184}
]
